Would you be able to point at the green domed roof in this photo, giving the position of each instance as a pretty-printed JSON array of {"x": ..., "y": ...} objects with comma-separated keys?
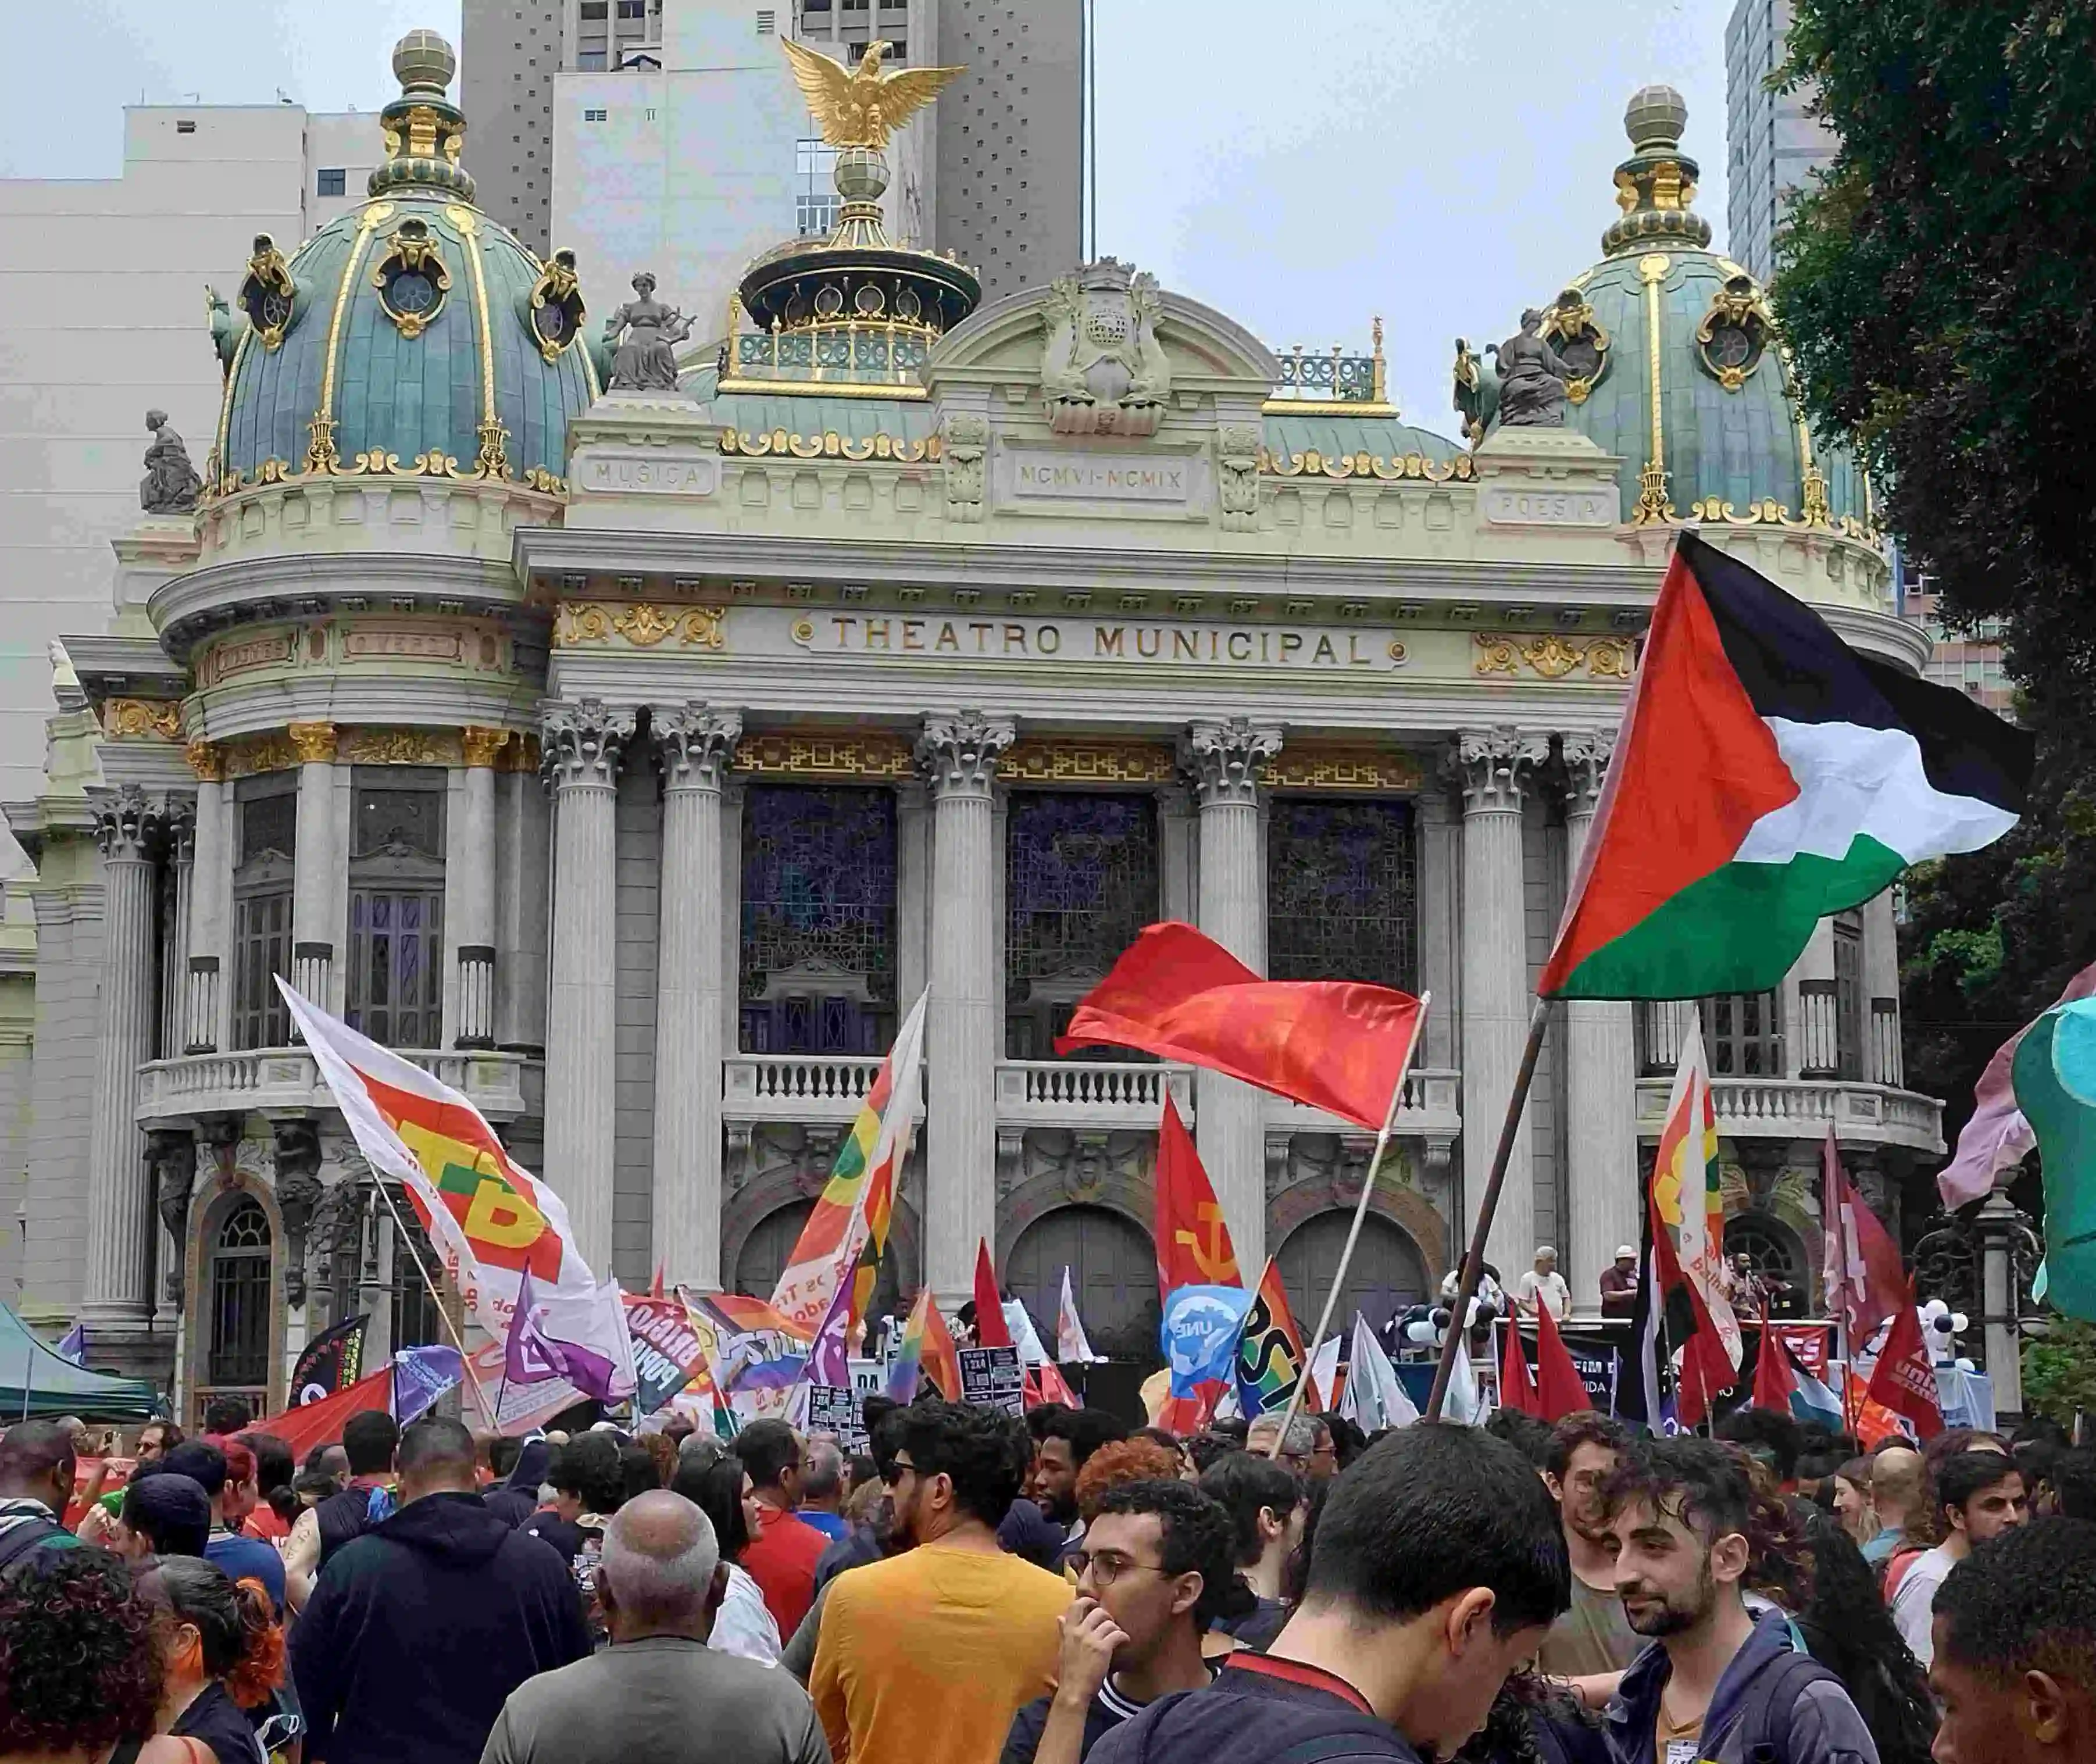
[
  {"x": 410, "y": 334},
  {"x": 1676, "y": 364}
]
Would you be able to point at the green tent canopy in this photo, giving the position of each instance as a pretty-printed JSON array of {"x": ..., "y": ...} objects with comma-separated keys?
[{"x": 56, "y": 1386}]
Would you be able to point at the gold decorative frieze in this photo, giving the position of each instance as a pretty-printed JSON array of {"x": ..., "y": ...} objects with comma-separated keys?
[
  {"x": 314, "y": 743},
  {"x": 142, "y": 719},
  {"x": 403, "y": 747},
  {"x": 206, "y": 760},
  {"x": 806, "y": 753},
  {"x": 830, "y": 445},
  {"x": 1768, "y": 512},
  {"x": 639, "y": 624},
  {"x": 1554, "y": 657},
  {"x": 1313, "y": 464},
  {"x": 1041, "y": 761},
  {"x": 247, "y": 755},
  {"x": 1342, "y": 765},
  {"x": 480, "y": 746}
]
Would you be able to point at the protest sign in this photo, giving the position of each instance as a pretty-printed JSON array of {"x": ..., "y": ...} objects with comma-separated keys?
[
  {"x": 832, "y": 1409},
  {"x": 991, "y": 1376}
]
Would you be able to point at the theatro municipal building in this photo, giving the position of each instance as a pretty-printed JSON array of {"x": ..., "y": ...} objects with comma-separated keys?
[{"x": 629, "y": 723}]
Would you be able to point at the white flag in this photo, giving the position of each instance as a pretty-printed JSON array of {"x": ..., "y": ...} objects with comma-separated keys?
[
  {"x": 1374, "y": 1400},
  {"x": 1071, "y": 1346},
  {"x": 1463, "y": 1402},
  {"x": 1019, "y": 1322},
  {"x": 1323, "y": 1373}
]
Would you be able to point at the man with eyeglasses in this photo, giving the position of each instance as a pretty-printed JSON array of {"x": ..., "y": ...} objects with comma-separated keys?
[
  {"x": 924, "y": 1658},
  {"x": 1309, "y": 1450},
  {"x": 1153, "y": 1572}
]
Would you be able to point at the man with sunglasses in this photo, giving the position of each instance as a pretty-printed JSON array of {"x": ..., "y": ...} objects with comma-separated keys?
[
  {"x": 924, "y": 1658},
  {"x": 1155, "y": 1570}
]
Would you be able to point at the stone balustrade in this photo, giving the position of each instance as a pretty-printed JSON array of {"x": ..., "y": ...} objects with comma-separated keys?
[
  {"x": 1781, "y": 1108},
  {"x": 176, "y": 1093}
]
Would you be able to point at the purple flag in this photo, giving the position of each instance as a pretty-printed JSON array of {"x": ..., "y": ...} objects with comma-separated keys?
[
  {"x": 584, "y": 1340},
  {"x": 527, "y": 1356},
  {"x": 1997, "y": 1136},
  {"x": 829, "y": 1359}
]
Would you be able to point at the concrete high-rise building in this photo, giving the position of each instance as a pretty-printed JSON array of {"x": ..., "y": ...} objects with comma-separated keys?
[
  {"x": 665, "y": 134},
  {"x": 102, "y": 283},
  {"x": 1773, "y": 143},
  {"x": 1010, "y": 140}
]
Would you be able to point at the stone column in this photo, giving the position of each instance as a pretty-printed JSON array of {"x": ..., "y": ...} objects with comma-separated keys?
[
  {"x": 581, "y": 745},
  {"x": 1222, "y": 763},
  {"x": 1495, "y": 767},
  {"x": 1601, "y": 1072},
  {"x": 1811, "y": 1037},
  {"x": 320, "y": 869},
  {"x": 1884, "y": 1062},
  {"x": 470, "y": 871},
  {"x": 1999, "y": 1227},
  {"x": 693, "y": 744},
  {"x": 175, "y": 944},
  {"x": 211, "y": 874},
  {"x": 128, "y": 826},
  {"x": 958, "y": 755}
]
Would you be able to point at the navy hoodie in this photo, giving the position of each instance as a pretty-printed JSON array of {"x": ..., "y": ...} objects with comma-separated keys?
[
  {"x": 1257, "y": 1709},
  {"x": 1815, "y": 1722},
  {"x": 419, "y": 1629}
]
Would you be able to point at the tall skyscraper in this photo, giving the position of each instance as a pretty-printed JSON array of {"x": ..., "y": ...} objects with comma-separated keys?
[
  {"x": 1006, "y": 146},
  {"x": 1774, "y": 145}
]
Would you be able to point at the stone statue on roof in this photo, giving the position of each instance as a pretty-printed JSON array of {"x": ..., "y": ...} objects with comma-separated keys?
[
  {"x": 1532, "y": 378},
  {"x": 645, "y": 332},
  {"x": 170, "y": 483}
]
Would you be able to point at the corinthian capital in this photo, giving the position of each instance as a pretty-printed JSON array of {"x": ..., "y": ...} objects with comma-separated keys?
[
  {"x": 959, "y": 753},
  {"x": 1586, "y": 754},
  {"x": 694, "y": 743},
  {"x": 580, "y": 741},
  {"x": 1494, "y": 766},
  {"x": 1222, "y": 760},
  {"x": 313, "y": 742},
  {"x": 127, "y": 823}
]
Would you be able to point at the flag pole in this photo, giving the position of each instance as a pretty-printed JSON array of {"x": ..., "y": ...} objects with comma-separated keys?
[
  {"x": 1538, "y": 1022},
  {"x": 451, "y": 1329},
  {"x": 1354, "y": 1230}
]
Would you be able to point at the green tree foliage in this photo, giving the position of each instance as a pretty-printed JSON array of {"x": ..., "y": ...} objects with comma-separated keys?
[
  {"x": 2059, "y": 1371},
  {"x": 1938, "y": 288}
]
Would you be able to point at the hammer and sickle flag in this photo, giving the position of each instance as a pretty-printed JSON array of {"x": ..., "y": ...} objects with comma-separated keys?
[{"x": 489, "y": 1219}]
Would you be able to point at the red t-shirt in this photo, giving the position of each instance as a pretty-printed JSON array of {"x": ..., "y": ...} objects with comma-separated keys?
[{"x": 781, "y": 1559}]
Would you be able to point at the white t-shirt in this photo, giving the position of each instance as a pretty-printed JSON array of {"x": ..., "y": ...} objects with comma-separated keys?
[
  {"x": 1914, "y": 1605},
  {"x": 1556, "y": 1294},
  {"x": 744, "y": 1625}
]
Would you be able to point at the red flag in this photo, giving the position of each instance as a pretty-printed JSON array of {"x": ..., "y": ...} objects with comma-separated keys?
[
  {"x": 1559, "y": 1390},
  {"x": 1193, "y": 1238},
  {"x": 990, "y": 1329},
  {"x": 1045, "y": 1383},
  {"x": 1340, "y": 1046},
  {"x": 1772, "y": 1380},
  {"x": 1902, "y": 1379},
  {"x": 320, "y": 1423},
  {"x": 1517, "y": 1389},
  {"x": 1866, "y": 1280}
]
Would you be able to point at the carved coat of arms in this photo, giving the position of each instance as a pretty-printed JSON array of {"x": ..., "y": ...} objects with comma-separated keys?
[{"x": 1103, "y": 370}]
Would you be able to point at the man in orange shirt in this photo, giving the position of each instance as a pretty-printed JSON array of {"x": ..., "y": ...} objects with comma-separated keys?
[
  {"x": 783, "y": 1550},
  {"x": 925, "y": 1657}
]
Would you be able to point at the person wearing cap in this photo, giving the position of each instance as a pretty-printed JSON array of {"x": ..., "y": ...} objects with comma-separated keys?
[
  {"x": 1543, "y": 1284},
  {"x": 1619, "y": 1282}
]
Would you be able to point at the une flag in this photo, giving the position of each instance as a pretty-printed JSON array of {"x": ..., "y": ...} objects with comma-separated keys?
[
  {"x": 2055, "y": 1074},
  {"x": 488, "y": 1218},
  {"x": 1193, "y": 1238},
  {"x": 1073, "y": 1346},
  {"x": 1765, "y": 775},
  {"x": 1340, "y": 1046},
  {"x": 1866, "y": 1280},
  {"x": 1687, "y": 1217},
  {"x": 1903, "y": 1379},
  {"x": 1199, "y": 1336},
  {"x": 1997, "y": 1134},
  {"x": 582, "y": 1338},
  {"x": 1270, "y": 1350},
  {"x": 853, "y": 1210}
]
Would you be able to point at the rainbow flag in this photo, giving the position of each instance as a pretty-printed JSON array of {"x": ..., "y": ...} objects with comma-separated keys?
[
  {"x": 746, "y": 1345},
  {"x": 928, "y": 1348},
  {"x": 1269, "y": 1352},
  {"x": 852, "y": 1213}
]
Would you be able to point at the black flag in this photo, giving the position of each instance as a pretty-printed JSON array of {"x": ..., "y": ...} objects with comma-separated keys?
[{"x": 330, "y": 1362}]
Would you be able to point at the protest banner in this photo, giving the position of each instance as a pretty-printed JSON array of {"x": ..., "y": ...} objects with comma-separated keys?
[
  {"x": 667, "y": 1353},
  {"x": 991, "y": 1376},
  {"x": 832, "y": 1409}
]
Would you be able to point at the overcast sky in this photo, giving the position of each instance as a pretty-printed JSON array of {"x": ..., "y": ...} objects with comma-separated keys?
[{"x": 1302, "y": 167}]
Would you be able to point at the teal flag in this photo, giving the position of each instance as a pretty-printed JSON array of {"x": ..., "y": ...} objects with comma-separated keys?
[{"x": 2055, "y": 1080}]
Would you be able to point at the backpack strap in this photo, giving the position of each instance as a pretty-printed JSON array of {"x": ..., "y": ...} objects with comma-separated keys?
[
  {"x": 1896, "y": 1567},
  {"x": 1766, "y": 1726},
  {"x": 26, "y": 1536}
]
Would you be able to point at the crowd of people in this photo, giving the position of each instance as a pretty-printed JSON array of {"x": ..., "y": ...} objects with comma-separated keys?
[{"x": 1060, "y": 1590}]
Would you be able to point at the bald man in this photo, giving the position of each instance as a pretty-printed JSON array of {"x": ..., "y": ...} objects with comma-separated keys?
[
  {"x": 660, "y": 1582},
  {"x": 1896, "y": 1493}
]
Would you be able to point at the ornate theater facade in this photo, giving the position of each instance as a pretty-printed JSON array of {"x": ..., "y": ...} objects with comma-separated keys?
[{"x": 632, "y": 748}]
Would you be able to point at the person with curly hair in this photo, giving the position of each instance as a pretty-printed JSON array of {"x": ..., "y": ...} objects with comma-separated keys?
[
  {"x": 1846, "y": 1626},
  {"x": 1135, "y": 1459},
  {"x": 79, "y": 1675},
  {"x": 2016, "y": 1648},
  {"x": 223, "y": 1652},
  {"x": 1154, "y": 1573},
  {"x": 929, "y": 1655}
]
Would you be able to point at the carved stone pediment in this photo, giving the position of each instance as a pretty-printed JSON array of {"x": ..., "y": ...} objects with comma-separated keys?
[{"x": 1102, "y": 369}]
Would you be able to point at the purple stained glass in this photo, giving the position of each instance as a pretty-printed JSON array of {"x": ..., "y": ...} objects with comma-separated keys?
[
  {"x": 1342, "y": 892},
  {"x": 395, "y": 942},
  {"x": 818, "y": 955},
  {"x": 1080, "y": 880}
]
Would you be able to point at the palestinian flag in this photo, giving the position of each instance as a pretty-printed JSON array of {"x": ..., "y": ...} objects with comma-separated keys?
[{"x": 1765, "y": 774}]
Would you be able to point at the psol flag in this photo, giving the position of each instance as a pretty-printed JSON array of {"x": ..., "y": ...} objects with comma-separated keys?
[
  {"x": 1269, "y": 1351},
  {"x": 488, "y": 1218}
]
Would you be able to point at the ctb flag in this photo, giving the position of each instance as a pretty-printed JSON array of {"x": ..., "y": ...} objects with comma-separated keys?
[
  {"x": 1765, "y": 774},
  {"x": 1340, "y": 1046}
]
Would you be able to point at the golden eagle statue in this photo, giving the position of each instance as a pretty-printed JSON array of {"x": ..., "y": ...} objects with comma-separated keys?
[{"x": 861, "y": 106}]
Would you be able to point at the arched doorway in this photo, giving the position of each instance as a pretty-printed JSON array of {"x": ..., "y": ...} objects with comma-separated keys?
[
  {"x": 764, "y": 1251},
  {"x": 1113, "y": 1272},
  {"x": 1778, "y": 1258},
  {"x": 240, "y": 1315},
  {"x": 1387, "y": 1274}
]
